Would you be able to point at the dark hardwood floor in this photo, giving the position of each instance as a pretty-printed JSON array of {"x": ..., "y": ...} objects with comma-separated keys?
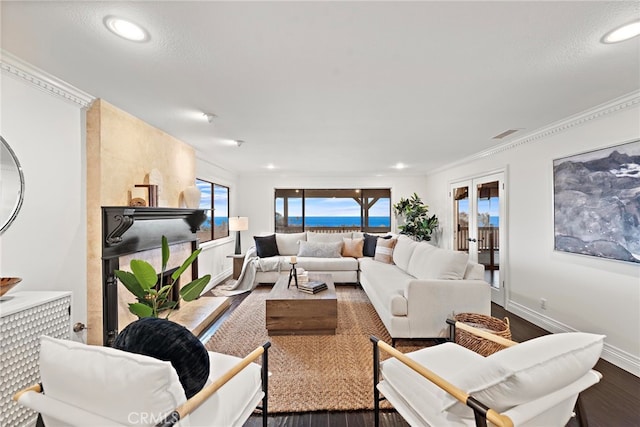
[{"x": 613, "y": 402}]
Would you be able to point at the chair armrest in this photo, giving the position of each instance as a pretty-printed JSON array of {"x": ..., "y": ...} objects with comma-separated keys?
[
  {"x": 482, "y": 334},
  {"x": 479, "y": 409}
]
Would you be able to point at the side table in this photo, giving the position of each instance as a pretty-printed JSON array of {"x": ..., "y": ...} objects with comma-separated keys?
[{"x": 238, "y": 261}]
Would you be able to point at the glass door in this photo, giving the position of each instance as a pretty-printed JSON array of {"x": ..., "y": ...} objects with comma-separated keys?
[{"x": 479, "y": 225}]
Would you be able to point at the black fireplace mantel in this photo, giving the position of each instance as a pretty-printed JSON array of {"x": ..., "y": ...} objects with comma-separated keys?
[{"x": 128, "y": 230}]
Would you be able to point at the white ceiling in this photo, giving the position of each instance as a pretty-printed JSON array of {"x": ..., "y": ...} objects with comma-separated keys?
[{"x": 337, "y": 88}]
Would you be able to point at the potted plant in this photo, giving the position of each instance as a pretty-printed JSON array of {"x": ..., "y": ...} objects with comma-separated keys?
[
  {"x": 417, "y": 223},
  {"x": 153, "y": 297}
]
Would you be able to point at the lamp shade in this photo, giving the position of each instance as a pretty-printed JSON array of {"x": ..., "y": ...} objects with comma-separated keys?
[{"x": 238, "y": 223}]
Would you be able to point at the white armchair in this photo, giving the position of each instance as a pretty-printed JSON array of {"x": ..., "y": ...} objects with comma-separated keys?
[
  {"x": 102, "y": 386},
  {"x": 534, "y": 383}
]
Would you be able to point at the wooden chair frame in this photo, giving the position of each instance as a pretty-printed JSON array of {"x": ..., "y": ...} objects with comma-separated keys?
[{"x": 196, "y": 400}]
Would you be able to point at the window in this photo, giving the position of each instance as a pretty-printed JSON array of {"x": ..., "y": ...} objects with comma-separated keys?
[
  {"x": 332, "y": 209},
  {"x": 214, "y": 200}
]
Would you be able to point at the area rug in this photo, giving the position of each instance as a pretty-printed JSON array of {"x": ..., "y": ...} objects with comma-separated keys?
[{"x": 311, "y": 373}]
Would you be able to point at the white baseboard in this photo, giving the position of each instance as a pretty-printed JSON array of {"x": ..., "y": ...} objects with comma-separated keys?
[{"x": 618, "y": 357}]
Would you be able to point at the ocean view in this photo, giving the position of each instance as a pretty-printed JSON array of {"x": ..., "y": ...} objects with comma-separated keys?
[
  {"x": 339, "y": 221},
  {"x": 334, "y": 221}
]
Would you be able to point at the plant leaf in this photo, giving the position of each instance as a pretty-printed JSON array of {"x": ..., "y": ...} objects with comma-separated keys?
[
  {"x": 195, "y": 288},
  {"x": 140, "y": 310},
  {"x": 165, "y": 252},
  {"x": 130, "y": 282},
  {"x": 162, "y": 293},
  {"x": 144, "y": 272},
  {"x": 185, "y": 265}
]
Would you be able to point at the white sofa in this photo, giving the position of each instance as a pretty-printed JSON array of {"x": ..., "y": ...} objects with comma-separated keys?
[
  {"x": 425, "y": 285},
  {"x": 268, "y": 270}
]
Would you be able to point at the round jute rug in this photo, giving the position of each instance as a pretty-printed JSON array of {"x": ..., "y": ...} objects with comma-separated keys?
[{"x": 311, "y": 373}]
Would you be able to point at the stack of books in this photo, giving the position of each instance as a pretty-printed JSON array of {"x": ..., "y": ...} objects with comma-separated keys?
[{"x": 312, "y": 287}]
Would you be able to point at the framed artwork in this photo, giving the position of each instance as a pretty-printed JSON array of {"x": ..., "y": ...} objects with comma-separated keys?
[{"x": 596, "y": 202}]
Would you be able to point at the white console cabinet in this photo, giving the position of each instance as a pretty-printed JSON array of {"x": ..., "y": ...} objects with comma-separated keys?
[{"x": 24, "y": 317}]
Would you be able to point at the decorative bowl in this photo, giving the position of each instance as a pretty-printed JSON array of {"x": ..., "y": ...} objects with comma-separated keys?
[{"x": 6, "y": 283}]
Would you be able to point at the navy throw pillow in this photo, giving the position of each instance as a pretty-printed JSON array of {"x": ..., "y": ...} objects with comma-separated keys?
[
  {"x": 171, "y": 342},
  {"x": 266, "y": 246},
  {"x": 370, "y": 243}
]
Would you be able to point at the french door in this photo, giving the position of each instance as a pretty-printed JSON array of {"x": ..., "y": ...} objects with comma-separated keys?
[{"x": 479, "y": 226}]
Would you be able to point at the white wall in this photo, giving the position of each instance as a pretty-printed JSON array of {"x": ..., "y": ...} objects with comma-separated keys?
[
  {"x": 213, "y": 258},
  {"x": 256, "y": 194},
  {"x": 583, "y": 293},
  {"x": 46, "y": 245}
]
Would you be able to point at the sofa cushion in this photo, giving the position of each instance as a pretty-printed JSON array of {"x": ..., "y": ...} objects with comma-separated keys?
[
  {"x": 288, "y": 242},
  {"x": 352, "y": 247},
  {"x": 429, "y": 262},
  {"x": 320, "y": 249},
  {"x": 474, "y": 271},
  {"x": 526, "y": 371},
  {"x": 403, "y": 250},
  {"x": 387, "y": 280},
  {"x": 370, "y": 241},
  {"x": 313, "y": 236},
  {"x": 328, "y": 264},
  {"x": 384, "y": 250},
  {"x": 266, "y": 246}
]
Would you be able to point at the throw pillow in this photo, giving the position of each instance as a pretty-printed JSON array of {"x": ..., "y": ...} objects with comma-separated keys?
[
  {"x": 370, "y": 241},
  {"x": 384, "y": 250},
  {"x": 171, "y": 342},
  {"x": 288, "y": 242},
  {"x": 320, "y": 249},
  {"x": 266, "y": 246},
  {"x": 352, "y": 247}
]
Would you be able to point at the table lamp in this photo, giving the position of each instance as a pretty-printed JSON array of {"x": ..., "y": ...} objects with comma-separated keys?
[{"x": 238, "y": 224}]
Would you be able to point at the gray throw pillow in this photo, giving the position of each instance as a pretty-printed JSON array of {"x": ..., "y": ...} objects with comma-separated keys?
[{"x": 320, "y": 249}]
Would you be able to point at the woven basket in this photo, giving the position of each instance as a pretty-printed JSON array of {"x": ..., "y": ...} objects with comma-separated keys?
[{"x": 491, "y": 324}]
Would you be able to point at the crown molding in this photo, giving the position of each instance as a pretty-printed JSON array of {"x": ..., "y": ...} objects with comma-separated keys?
[
  {"x": 626, "y": 101},
  {"x": 32, "y": 75}
]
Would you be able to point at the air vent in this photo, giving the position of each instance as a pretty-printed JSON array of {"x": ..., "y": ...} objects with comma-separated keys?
[{"x": 505, "y": 133}]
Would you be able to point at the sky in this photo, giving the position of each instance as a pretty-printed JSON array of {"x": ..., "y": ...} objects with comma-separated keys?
[{"x": 332, "y": 207}]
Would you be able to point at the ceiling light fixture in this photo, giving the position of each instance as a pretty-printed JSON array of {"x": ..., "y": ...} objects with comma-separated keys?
[
  {"x": 400, "y": 165},
  {"x": 239, "y": 142},
  {"x": 270, "y": 166},
  {"x": 622, "y": 33},
  {"x": 126, "y": 29},
  {"x": 209, "y": 117}
]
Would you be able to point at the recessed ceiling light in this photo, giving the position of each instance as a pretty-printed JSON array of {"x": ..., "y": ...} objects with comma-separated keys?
[
  {"x": 399, "y": 166},
  {"x": 270, "y": 166},
  {"x": 126, "y": 29},
  {"x": 623, "y": 33}
]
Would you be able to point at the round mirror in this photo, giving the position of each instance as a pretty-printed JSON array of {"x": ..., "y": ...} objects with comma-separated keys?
[{"x": 11, "y": 185}]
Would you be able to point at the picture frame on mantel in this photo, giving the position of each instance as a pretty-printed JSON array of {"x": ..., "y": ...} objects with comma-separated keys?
[{"x": 596, "y": 203}]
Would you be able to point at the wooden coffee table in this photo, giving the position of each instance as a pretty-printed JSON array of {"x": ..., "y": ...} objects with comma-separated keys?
[{"x": 291, "y": 312}]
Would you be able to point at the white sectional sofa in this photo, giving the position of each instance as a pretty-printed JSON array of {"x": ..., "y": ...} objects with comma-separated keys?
[
  {"x": 425, "y": 285},
  {"x": 413, "y": 296}
]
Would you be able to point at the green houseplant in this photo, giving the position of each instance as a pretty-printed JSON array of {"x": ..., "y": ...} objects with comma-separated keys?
[
  {"x": 418, "y": 224},
  {"x": 153, "y": 297}
]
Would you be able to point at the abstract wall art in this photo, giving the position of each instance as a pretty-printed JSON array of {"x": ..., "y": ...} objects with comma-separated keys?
[{"x": 596, "y": 197}]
